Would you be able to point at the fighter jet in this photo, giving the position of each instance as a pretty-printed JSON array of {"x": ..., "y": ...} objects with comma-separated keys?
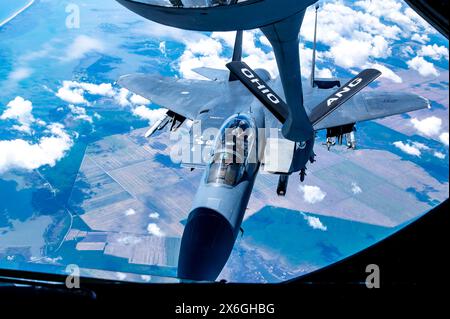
[{"x": 243, "y": 121}]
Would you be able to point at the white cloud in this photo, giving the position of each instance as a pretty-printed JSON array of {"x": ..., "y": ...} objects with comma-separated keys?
[
  {"x": 146, "y": 278},
  {"x": 434, "y": 51},
  {"x": 80, "y": 113},
  {"x": 139, "y": 100},
  {"x": 422, "y": 66},
  {"x": 153, "y": 215},
  {"x": 103, "y": 89},
  {"x": 421, "y": 146},
  {"x": 71, "y": 94},
  {"x": 81, "y": 46},
  {"x": 130, "y": 212},
  {"x": 444, "y": 138},
  {"x": 408, "y": 148},
  {"x": 349, "y": 53},
  {"x": 312, "y": 194},
  {"x": 21, "y": 154},
  {"x": 162, "y": 47},
  {"x": 20, "y": 74},
  {"x": 355, "y": 188},
  {"x": 207, "y": 52},
  {"x": 418, "y": 23},
  {"x": 430, "y": 126},
  {"x": 153, "y": 229},
  {"x": 386, "y": 72},
  {"x": 263, "y": 39},
  {"x": 407, "y": 51},
  {"x": 355, "y": 37},
  {"x": 121, "y": 97},
  {"x": 19, "y": 110},
  {"x": 148, "y": 114},
  {"x": 314, "y": 222},
  {"x": 189, "y": 61},
  {"x": 205, "y": 46},
  {"x": 422, "y": 38},
  {"x": 439, "y": 155}
]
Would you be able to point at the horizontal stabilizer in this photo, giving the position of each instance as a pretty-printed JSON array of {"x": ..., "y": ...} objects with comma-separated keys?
[
  {"x": 342, "y": 95},
  {"x": 259, "y": 89}
]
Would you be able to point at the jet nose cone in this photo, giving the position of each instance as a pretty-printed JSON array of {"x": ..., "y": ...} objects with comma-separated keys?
[{"x": 207, "y": 242}]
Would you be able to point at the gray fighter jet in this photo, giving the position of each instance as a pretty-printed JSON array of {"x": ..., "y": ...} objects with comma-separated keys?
[{"x": 243, "y": 121}]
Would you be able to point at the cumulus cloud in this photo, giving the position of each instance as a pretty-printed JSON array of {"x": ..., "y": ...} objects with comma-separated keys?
[
  {"x": 354, "y": 37},
  {"x": 19, "y": 110},
  {"x": 21, "y": 154},
  {"x": 190, "y": 60},
  {"x": 434, "y": 51},
  {"x": 444, "y": 138},
  {"x": 356, "y": 189},
  {"x": 153, "y": 229},
  {"x": 312, "y": 194},
  {"x": 80, "y": 113},
  {"x": 385, "y": 72},
  {"x": 148, "y": 114},
  {"x": 204, "y": 51},
  {"x": 422, "y": 66},
  {"x": 81, "y": 46},
  {"x": 357, "y": 35},
  {"x": 314, "y": 222},
  {"x": 420, "y": 146},
  {"x": 153, "y": 215},
  {"x": 408, "y": 148},
  {"x": 139, "y": 100},
  {"x": 73, "y": 92},
  {"x": 430, "y": 126},
  {"x": 103, "y": 89},
  {"x": 130, "y": 212},
  {"x": 162, "y": 47},
  {"x": 407, "y": 51},
  {"x": 121, "y": 97},
  {"x": 439, "y": 155},
  {"x": 422, "y": 38}
]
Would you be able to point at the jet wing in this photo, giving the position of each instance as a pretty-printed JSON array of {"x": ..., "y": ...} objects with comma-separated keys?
[
  {"x": 372, "y": 105},
  {"x": 182, "y": 96},
  {"x": 213, "y": 74}
]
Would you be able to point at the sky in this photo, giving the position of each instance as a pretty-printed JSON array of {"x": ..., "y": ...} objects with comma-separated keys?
[{"x": 386, "y": 35}]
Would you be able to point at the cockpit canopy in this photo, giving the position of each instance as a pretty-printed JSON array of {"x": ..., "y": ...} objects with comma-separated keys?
[{"x": 234, "y": 149}]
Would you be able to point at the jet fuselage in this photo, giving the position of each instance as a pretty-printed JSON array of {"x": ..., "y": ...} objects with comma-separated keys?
[{"x": 222, "y": 198}]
